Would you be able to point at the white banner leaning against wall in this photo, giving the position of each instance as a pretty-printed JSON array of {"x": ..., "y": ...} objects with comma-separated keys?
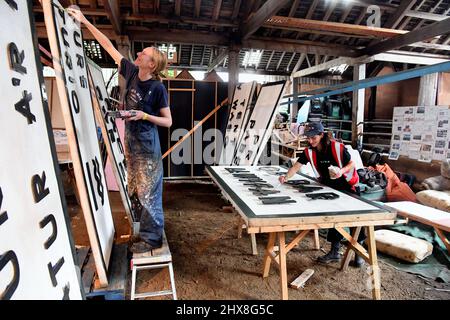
[
  {"x": 70, "y": 66},
  {"x": 37, "y": 256},
  {"x": 260, "y": 124},
  {"x": 111, "y": 136},
  {"x": 237, "y": 120}
]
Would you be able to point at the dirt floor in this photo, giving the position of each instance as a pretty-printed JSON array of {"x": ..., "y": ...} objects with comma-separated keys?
[{"x": 210, "y": 262}]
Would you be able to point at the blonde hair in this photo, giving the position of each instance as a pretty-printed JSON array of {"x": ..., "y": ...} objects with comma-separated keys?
[{"x": 160, "y": 60}]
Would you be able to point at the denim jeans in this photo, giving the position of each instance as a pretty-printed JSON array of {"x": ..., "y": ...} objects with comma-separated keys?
[{"x": 145, "y": 181}]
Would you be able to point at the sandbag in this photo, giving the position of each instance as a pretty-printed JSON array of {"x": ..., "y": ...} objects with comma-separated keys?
[
  {"x": 402, "y": 246},
  {"x": 435, "y": 199},
  {"x": 438, "y": 183},
  {"x": 395, "y": 189}
]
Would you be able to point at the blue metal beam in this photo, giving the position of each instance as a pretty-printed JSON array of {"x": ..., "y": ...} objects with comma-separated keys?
[{"x": 367, "y": 83}]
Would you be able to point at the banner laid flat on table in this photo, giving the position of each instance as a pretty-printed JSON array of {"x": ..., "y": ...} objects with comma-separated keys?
[
  {"x": 70, "y": 66},
  {"x": 37, "y": 255}
]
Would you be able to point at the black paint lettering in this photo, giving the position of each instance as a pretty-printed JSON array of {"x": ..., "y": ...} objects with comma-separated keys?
[
  {"x": 12, "y": 4},
  {"x": 91, "y": 185},
  {"x": 38, "y": 187},
  {"x": 68, "y": 60},
  {"x": 10, "y": 256},
  {"x": 64, "y": 34},
  {"x": 83, "y": 81},
  {"x": 114, "y": 126},
  {"x": 119, "y": 144},
  {"x": 66, "y": 291},
  {"x": 3, "y": 215},
  {"x": 99, "y": 93},
  {"x": 229, "y": 126},
  {"x": 53, "y": 270},
  {"x": 237, "y": 160},
  {"x": 234, "y": 106},
  {"x": 242, "y": 148},
  {"x": 252, "y": 124},
  {"x": 231, "y": 116},
  {"x": 16, "y": 58},
  {"x": 75, "y": 102},
  {"x": 77, "y": 38},
  {"x": 15, "y": 82},
  {"x": 71, "y": 79},
  {"x": 112, "y": 136},
  {"x": 63, "y": 16},
  {"x": 98, "y": 178},
  {"x": 239, "y": 115},
  {"x": 247, "y": 135},
  {"x": 23, "y": 107},
  {"x": 80, "y": 61},
  {"x": 249, "y": 154},
  {"x": 256, "y": 139},
  {"x": 235, "y": 127},
  {"x": 108, "y": 104},
  {"x": 239, "y": 86},
  {"x": 243, "y": 103},
  {"x": 49, "y": 219},
  {"x": 122, "y": 170}
]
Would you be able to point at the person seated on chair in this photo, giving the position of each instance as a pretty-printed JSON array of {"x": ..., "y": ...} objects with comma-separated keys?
[{"x": 323, "y": 152}]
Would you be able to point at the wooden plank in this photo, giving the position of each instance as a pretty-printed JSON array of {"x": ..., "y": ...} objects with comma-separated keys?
[
  {"x": 118, "y": 270},
  {"x": 299, "y": 282},
  {"x": 88, "y": 273},
  {"x": 198, "y": 4},
  {"x": 216, "y": 10},
  {"x": 270, "y": 8},
  {"x": 398, "y": 15},
  {"x": 349, "y": 253},
  {"x": 296, "y": 240},
  {"x": 283, "y": 266},
  {"x": 435, "y": 29},
  {"x": 376, "y": 294},
  {"x": 177, "y": 7},
  {"x": 159, "y": 255},
  {"x": 346, "y": 28},
  {"x": 425, "y": 15},
  {"x": 267, "y": 259},
  {"x": 113, "y": 11},
  {"x": 237, "y": 6}
]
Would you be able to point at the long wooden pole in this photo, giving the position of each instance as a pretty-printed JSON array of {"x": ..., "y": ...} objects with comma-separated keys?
[{"x": 195, "y": 128}]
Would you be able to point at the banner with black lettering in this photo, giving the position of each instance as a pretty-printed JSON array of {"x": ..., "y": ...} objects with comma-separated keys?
[
  {"x": 111, "y": 136},
  {"x": 37, "y": 259},
  {"x": 69, "y": 61}
]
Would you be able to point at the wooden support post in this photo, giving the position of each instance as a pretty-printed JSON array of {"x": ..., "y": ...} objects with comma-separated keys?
[
  {"x": 269, "y": 249},
  {"x": 443, "y": 238},
  {"x": 316, "y": 239},
  {"x": 428, "y": 90},
  {"x": 294, "y": 106},
  {"x": 349, "y": 253},
  {"x": 233, "y": 71},
  {"x": 359, "y": 73},
  {"x": 253, "y": 240},
  {"x": 283, "y": 267},
  {"x": 376, "y": 294}
]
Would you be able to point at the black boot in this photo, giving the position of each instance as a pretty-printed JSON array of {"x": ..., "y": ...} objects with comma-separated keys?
[{"x": 333, "y": 255}]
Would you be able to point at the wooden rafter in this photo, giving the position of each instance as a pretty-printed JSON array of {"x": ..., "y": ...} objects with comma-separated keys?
[
  {"x": 218, "y": 60},
  {"x": 236, "y": 8},
  {"x": 399, "y": 14},
  {"x": 135, "y": 4},
  {"x": 270, "y": 8},
  {"x": 270, "y": 60},
  {"x": 435, "y": 29},
  {"x": 198, "y": 4},
  {"x": 280, "y": 60},
  {"x": 346, "y": 28},
  {"x": 216, "y": 11},
  {"x": 113, "y": 11}
]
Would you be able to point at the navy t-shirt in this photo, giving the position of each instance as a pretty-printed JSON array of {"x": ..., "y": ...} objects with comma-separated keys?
[
  {"x": 324, "y": 160},
  {"x": 149, "y": 96}
]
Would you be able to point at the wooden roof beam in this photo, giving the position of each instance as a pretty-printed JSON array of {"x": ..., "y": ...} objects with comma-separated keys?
[
  {"x": 430, "y": 31},
  {"x": 346, "y": 28},
  {"x": 197, "y": 6},
  {"x": 216, "y": 10},
  {"x": 269, "y": 9},
  {"x": 113, "y": 11},
  {"x": 218, "y": 60},
  {"x": 236, "y": 8},
  {"x": 177, "y": 8}
]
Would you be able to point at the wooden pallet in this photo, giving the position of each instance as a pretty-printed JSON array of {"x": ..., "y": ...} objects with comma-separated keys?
[{"x": 117, "y": 274}]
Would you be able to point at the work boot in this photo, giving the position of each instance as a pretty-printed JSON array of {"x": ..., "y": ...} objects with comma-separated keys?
[
  {"x": 141, "y": 247},
  {"x": 333, "y": 255}
]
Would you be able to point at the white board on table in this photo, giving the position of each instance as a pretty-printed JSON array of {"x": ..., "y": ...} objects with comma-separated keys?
[
  {"x": 237, "y": 120},
  {"x": 345, "y": 203},
  {"x": 260, "y": 124},
  {"x": 66, "y": 45},
  {"x": 37, "y": 255},
  {"x": 111, "y": 136}
]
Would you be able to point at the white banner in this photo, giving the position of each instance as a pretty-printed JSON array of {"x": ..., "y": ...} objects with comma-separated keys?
[{"x": 37, "y": 258}]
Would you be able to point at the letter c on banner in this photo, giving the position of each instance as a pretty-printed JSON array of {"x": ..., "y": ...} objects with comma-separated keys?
[{"x": 10, "y": 256}]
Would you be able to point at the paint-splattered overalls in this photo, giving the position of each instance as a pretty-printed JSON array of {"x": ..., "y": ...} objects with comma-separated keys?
[{"x": 145, "y": 168}]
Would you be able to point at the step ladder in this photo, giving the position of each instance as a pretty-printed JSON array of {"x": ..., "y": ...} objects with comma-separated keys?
[{"x": 154, "y": 259}]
